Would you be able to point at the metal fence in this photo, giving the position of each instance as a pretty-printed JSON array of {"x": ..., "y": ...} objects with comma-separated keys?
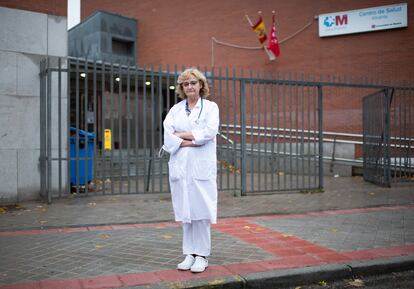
[
  {"x": 388, "y": 136},
  {"x": 101, "y": 128}
]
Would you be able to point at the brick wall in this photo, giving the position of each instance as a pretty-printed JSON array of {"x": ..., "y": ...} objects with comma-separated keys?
[
  {"x": 181, "y": 33},
  {"x": 52, "y": 7}
]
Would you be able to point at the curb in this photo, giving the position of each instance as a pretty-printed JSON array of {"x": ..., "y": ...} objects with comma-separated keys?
[{"x": 294, "y": 277}]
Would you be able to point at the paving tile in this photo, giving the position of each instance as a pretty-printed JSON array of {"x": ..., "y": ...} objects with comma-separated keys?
[
  {"x": 351, "y": 231},
  {"x": 96, "y": 253}
]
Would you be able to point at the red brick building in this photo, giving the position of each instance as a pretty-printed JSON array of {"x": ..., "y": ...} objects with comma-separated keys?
[
  {"x": 181, "y": 32},
  {"x": 52, "y": 7}
]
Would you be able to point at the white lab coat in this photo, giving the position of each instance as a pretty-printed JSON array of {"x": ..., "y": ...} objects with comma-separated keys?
[{"x": 193, "y": 170}]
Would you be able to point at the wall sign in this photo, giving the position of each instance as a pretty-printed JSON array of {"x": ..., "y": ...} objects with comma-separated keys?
[{"x": 363, "y": 20}]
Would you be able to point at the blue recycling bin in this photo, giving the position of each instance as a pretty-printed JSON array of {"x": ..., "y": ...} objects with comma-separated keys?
[{"x": 84, "y": 138}]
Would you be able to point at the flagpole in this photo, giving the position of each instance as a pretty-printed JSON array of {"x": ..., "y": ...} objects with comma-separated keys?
[{"x": 269, "y": 53}]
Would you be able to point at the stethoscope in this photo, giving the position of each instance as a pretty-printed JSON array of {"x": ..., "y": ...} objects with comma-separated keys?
[{"x": 188, "y": 111}]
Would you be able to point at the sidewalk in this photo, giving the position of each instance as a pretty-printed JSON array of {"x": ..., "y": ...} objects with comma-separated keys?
[{"x": 262, "y": 241}]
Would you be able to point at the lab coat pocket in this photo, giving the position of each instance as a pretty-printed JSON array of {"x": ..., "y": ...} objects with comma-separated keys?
[
  {"x": 175, "y": 171},
  {"x": 204, "y": 170}
]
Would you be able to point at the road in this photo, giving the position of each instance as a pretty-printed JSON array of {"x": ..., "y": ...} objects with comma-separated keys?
[{"x": 395, "y": 280}]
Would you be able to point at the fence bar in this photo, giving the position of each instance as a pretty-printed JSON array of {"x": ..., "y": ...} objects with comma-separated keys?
[
  {"x": 243, "y": 138},
  {"x": 85, "y": 121},
  {"x": 234, "y": 165},
  {"x": 151, "y": 168},
  {"x": 111, "y": 120},
  {"x": 42, "y": 133},
  {"x": 272, "y": 139},
  {"x": 68, "y": 110},
  {"x": 265, "y": 122},
  {"x": 320, "y": 136},
  {"x": 137, "y": 160},
  {"x": 302, "y": 142},
  {"x": 251, "y": 130},
  {"x": 278, "y": 134},
  {"x": 77, "y": 75},
  {"x": 315, "y": 118},
  {"x": 59, "y": 127},
  {"x": 159, "y": 126},
  {"x": 144, "y": 130},
  {"x": 228, "y": 121},
  {"x": 387, "y": 131},
  {"x": 49, "y": 133},
  {"x": 95, "y": 128},
  {"x": 119, "y": 115},
  {"x": 103, "y": 126},
  {"x": 284, "y": 136},
  {"x": 128, "y": 119}
]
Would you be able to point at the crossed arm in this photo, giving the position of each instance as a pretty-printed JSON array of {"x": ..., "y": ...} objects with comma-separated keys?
[{"x": 187, "y": 137}]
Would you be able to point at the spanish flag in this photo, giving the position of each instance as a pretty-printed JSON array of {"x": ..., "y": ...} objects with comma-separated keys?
[{"x": 259, "y": 28}]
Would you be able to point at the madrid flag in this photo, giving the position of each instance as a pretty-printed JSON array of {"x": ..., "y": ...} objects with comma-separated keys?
[
  {"x": 273, "y": 44},
  {"x": 259, "y": 28}
]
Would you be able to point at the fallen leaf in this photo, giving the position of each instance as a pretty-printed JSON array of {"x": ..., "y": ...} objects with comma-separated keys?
[
  {"x": 371, "y": 193},
  {"x": 246, "y": 227},
  {"x": 259, "y": 229},
  {"x": 92, "y": 204},
  {"x": 167, "y": 236},
  {"x": 97, "y": 246},
  {"x": 322, "y": 283},
  {"x": 216, "y": 282},
  {"x": 104, "y": 236},
  {"x": 298, "y": 287},
  {"x": 42, "y": 222},
  {"x": 287, "y": 235},
  {"x": 357, "y": 283},
  {"x": 334, "y": 230},
  {"x": 3, "y": 210}
]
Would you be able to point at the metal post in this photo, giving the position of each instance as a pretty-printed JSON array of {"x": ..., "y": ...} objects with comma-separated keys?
[
  {"x": 387, "y": 130},
  {"x": 320, "y": 135},
  {"x": 243, "y": 138},
  {"x": 49, "y": 133},
  {"x": 60, "y": 127},
  {"x": 42, "y": 128}
]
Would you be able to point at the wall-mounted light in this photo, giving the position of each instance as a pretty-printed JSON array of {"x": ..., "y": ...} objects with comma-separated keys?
[
  {"x": 147, "y": 83},
  {"x": 172, "y": 87},
  {"x": 117, "y": 79},
  {"x": 83, "y": 74}
]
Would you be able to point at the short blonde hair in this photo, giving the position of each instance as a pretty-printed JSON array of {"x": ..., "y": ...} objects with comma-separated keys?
[{"x": 204, "y": 90}]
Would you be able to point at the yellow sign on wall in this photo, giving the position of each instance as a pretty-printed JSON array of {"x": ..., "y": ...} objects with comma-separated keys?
[{"x": 108, "y": 139}]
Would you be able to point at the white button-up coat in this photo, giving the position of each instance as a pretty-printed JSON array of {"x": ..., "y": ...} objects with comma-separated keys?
[{"x": 193, "y": 170}]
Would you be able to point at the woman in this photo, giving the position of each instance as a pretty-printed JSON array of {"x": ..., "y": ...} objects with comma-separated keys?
[{"x": 190, "y": 129}]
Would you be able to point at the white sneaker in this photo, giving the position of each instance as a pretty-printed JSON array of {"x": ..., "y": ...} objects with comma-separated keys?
[
  {"x": 187, "y": 263},
  {"x": 199, "y": 265}
]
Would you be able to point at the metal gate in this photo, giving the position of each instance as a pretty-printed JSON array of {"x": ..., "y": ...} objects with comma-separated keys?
[
  {"x": 101, "y": 129},
  {"x": 388, "y": 130}
]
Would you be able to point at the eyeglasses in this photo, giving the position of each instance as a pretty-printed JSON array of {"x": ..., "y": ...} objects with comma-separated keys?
[{"x": 193, "y": 83}]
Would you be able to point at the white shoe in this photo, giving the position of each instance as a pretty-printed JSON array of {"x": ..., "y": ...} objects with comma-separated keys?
[
  {"x": 199, "y": 265},
  {"x": 187, "y": 263}
]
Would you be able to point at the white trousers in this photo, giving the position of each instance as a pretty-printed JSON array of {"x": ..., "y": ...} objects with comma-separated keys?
[{"x": 197, "y": 238}]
